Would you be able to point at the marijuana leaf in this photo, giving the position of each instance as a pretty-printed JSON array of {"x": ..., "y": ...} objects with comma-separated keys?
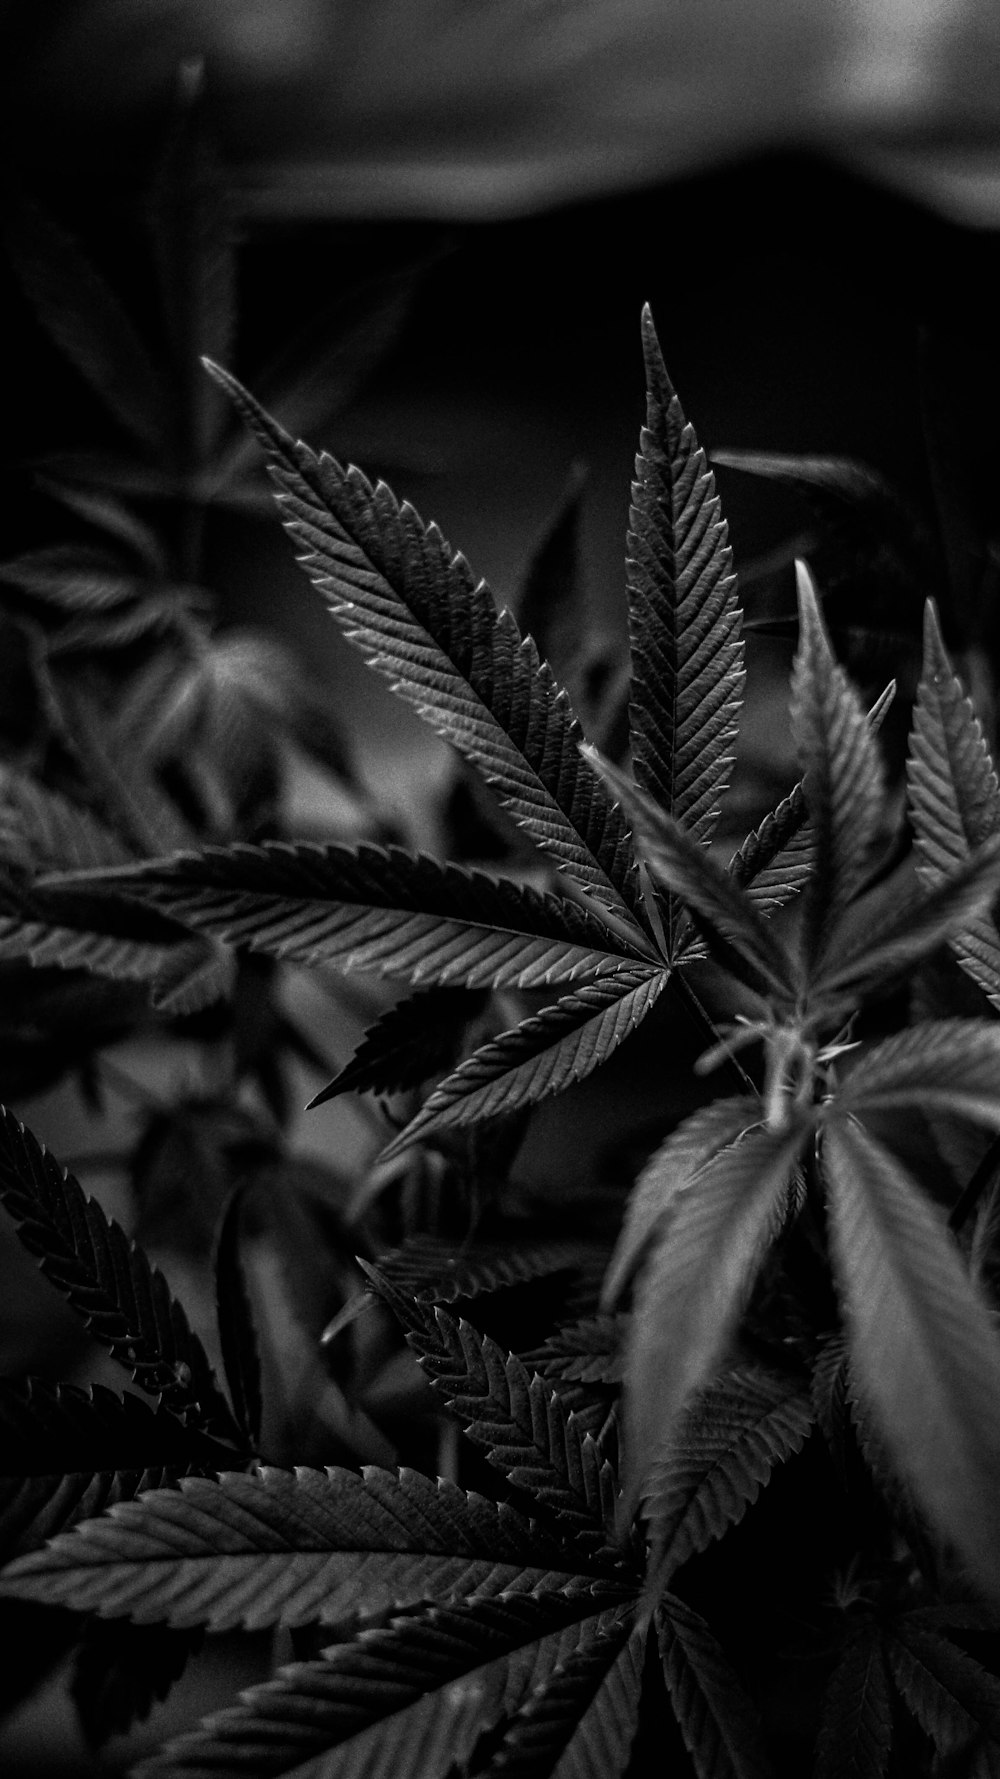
[
  {"x": 417, "y": 1038},
  {"x": 726, "y": 1446},
  {"x": 672, "y": 1169},
  {"x": 855, "y": 1735},
  {"x": 69, "y": 1453},
  {"x": 292, "y": 1549},
  {"x": 384, "y": 909},
  {"x": 954, "y": 799},
  {"x": 923, "y": 1348},
  {"x": 843, "y": 781},
  {"x": 543, "y": 1055},
  {"x": 420, "y": 617},
  {"x": 695, "y": 1281},
  {"x": 684, "y": 621},
  {"x": 124, "y": 1302}
]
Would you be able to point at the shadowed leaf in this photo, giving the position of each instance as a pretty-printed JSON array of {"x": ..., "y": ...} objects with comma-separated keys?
[{"x": 924, "y": 1352}]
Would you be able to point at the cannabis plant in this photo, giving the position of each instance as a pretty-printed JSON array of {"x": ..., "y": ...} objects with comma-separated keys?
[{"x": 735, "y": 1510}]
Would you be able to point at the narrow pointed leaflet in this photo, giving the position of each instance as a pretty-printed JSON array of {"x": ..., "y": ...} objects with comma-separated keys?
[
  {"x": 684, "y": 620},
  {"x": 420, "y": 617},
  {"x": 383, "y": 909},
  {"x": 843, "y": 780},
  {"x": 954, "y": 798},
  {"x": 924, "y": 1350}
]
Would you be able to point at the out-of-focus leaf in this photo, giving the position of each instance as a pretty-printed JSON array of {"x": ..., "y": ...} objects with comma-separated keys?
[
  {"x": 924, "y": 1351},
  {"x": 124, "y": 1302},
  {"x": 82, "y": 314},
  {"x": 237, "y": 1334},
  {"x": 695, "y": 1281}
]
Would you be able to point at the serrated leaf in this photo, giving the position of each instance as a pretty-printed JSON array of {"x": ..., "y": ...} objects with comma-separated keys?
[
  {"x": 684, "y": 620},
  {"x": 953, "y": 795},
  {"x": 69, "y": 1453},
  {"x": 883, "y": 941},
  {"x": 410, "y": 1700},
  {"x": 949, "y": 1694},
  {"x": 924, "y": 1351},
  {"x": 295, "y": 1548},
  {"x": 418, "y": 1038},
  {"x": 125, "y": 1303},
  {"x": 951, "y": 1065},
  {"x": 843, "y": 779},
  {"x": 672, "y": 1169},
  {"x": 776, "y": 861},
  {"x": 421, "y": 618},
  {"x": 106, "y": 935},
  {"x": 694, "y": 1284},
  {"x": 585, "y": 1352},
  {"x": 855, "y": 1735},
  {"x": 383, "y": 909},
  {"x": 41, "y": 829},
  {"x": 523, "y": 1427},
  {"x": 234, "y": 1316},
  {"x": 580, "y": 1721},
  {"x": 733, "y": 928},
  {"x": 429, "y": 1270},
  {"x": 548, "y": 1052},
  {"x": 726, "y": 1447},
  {"x": 715, "y": 1716},
  {"x": 82, "y": 314}
]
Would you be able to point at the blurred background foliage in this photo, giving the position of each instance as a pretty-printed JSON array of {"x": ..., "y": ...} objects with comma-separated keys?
[{"x": 422, "y": 234}]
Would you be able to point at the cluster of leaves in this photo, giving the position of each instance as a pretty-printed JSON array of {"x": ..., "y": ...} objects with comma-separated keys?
[{"x": 786, "y": 1304}]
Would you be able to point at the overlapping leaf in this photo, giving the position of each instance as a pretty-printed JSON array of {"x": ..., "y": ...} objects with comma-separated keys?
[
  {"x": 684, "y": 620},
  {"x": 382, "y": 909},
  {"x": 694, "y": 1284},
  {"x": 948, "y": 1065},
  {"x": 843, "y": 781},
  {"x": 544, "y": 1055},
  {"x": 672, "y": 1169},
  {"x": 924, "y": 1351},
  {"x": 874, "y": 945},
  {"x": 580, "y": 1721},
  {"x": 67, "y": 1453},
  {"x": 855, "y": 1735},
  {"x": 414, "y": 1040},
  {"x": 296, "y": 1548},
  {"x": 412, "y": 1699},
  {"x": 420, "y": 617},
  {"x": 124, "y": 1302},
  {"x": 952, "y": 1697},
  {"x": 521, "y": 1424},
  {"x": 735, "y": 929},
  {"x": 715, "y": 1715},
  {"x": 954, "y": 799},
  {"x": 725, "y": 1449}
]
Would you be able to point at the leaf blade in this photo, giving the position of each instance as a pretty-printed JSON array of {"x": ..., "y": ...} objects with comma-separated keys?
[
  {"x": 684, "y": 620},
  {"x": 420, "y": 617},
  {"x": 935, "y": 1387}
]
